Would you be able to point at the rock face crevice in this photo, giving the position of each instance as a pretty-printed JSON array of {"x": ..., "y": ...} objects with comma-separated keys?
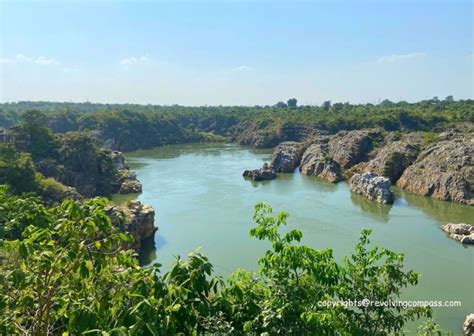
[
  {"x": 392, "y": 159},
  {"x": 287, "y": 156},
  {"x": 375, "y": 188},
  {"x": 444, "y": 171},
  {"x": 127, "y": 181},
  {"x": 317, "y": 162},
  {"x": 135, "y": 218},
  {"x": 350, "y": 148}
]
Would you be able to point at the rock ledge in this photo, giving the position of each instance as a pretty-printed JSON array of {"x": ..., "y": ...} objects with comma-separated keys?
[
  {"x": 375, "y": 188},
  {"x": 463, "y": 233},
  {"x": 264, "y": 173}
]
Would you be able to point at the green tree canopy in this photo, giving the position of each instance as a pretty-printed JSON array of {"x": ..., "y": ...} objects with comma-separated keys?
[{"x": 64, "y": 270}]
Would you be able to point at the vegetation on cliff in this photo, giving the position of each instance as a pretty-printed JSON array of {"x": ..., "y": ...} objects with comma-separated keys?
[
  {"x": 63, "y": 269},
  {"x": 33, "y": 153},
  {"x": 129, "y": 126}
]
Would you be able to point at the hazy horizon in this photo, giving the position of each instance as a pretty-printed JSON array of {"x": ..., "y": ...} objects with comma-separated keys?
[
  {"x": 235, "y": 53},
  {"x": 216, "y": 105}
]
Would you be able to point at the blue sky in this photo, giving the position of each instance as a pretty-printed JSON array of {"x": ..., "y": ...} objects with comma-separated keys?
[{"x": 235, "y": 52}]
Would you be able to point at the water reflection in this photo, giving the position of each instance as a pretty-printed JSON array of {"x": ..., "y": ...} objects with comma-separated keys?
[
  {"x": 202, "y": 200},
  {"x": 175, "y": 151},
  {"x": 319, "y": 183},
  {"x": 375, "y": 210},
  {"x": 257, "y": 184},
  {"x": 443, "y": 212},
  {"x": 148, "y": 248}
]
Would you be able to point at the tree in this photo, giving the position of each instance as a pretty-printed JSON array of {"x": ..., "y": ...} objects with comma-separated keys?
[
  {"x": 281, "y": 104},
  {"x": 386, "y": 102},
  {"x": 449, "y": 99},
  {"x": 17, "y": 170},
  {"x": 337, "y": 106},
  {"x": 85, "y": 166},
  {"x": 34, "y": 136},
  {"x": 67, "y": 271},
  {"x": 326, "y": 105},
  {"x": 292, "y": 102}
]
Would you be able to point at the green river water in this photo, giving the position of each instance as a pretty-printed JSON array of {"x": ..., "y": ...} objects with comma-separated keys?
[{"x": 202, "y": 201}]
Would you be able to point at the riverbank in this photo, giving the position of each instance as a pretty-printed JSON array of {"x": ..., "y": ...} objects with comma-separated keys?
[{"x": 201, "y": 199}]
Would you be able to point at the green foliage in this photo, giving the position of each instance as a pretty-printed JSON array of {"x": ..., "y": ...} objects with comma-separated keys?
[
  {"x": 127, "y": 130},
  {"x": 65, "y": 270},
  {"x": 34, "y": 136},
  {"x": 129, "y": 126},
  {"x": 430, "y": 328},
  {"x": 16, "y": 213},
  {"x": 430, "y": 138},
  {"x": 86, "y": 166},
  {"x": 17, "y": 170},
  {"x": 292, "y": 102},
  {"x": 74, "y": 159},
  {"x": 377, "y": 275}
]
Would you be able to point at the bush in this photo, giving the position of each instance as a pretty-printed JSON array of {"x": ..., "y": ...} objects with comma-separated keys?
[{"x": 70, "y": 274}]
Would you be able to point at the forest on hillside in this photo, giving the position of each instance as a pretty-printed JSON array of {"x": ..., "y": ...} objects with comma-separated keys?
[
  {"x": 130, "y": 126},
  {"x": 66, "y": 266}
]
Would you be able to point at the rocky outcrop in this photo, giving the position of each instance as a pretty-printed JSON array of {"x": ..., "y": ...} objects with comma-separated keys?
[
  {"x": 317, "y": 162},
  {"x": 127, "y": 179},
  {"x": 392, "y": 159},
  {"x": 258, "y": 139},
  {"x": 128, "y": 182},
  {"x": 464, "y": 233},
  {"x": 135, "y": 218},
  {"x": 444, "y": 171},
  {"x": 119, "y": 160},
  {"x": 130, "y": 187},
  {"x": 287, "y": 156},
  {"x": 264, "y": 173},
  {"x": 350, "y": 148},
  {"x": 375, "y": 188},
  {"x": 468, "y": 326},
  {"x": 267, "y": 133},
  {"x": 54, "y": 192}
]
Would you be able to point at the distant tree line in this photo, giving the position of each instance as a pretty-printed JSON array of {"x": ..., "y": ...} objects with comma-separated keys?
[{"x": 129, "y": 126}]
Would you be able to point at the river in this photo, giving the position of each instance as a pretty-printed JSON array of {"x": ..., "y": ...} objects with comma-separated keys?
[{"x": 202, "y": 201}]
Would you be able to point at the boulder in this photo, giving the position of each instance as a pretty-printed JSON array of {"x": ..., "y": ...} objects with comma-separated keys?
[
  {"x": 287, "y": 156},
  {"x": 130, "y": 186},
  {"x": 468, "y": 326},
  {"x": 119, "y": 160},
  {"x": 392, "y": 159},
  {"x": 375, "y": 188},
  {"x": 264, "y": 173},
  {"x": 444, "y": 171},
  {"x": 350, "y": 148},
  {"x": 135, "y": 218},
  {"x": 464, "y": 233},
  {"x": 127, "y": 182},
  {"x": 317, "y": 162}
]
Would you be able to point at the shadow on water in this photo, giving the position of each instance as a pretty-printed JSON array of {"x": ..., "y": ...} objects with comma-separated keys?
[
  {"x": 375, "y": 210},
  {"x": 175, "y": 151},
  {"x": 279, "y": 177},
  {"x": 441, "y": 211},
  {"x": 257, "y": 184},
  {"x": 148, "y": 249},
  {"x": 318, "y": 183}
]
